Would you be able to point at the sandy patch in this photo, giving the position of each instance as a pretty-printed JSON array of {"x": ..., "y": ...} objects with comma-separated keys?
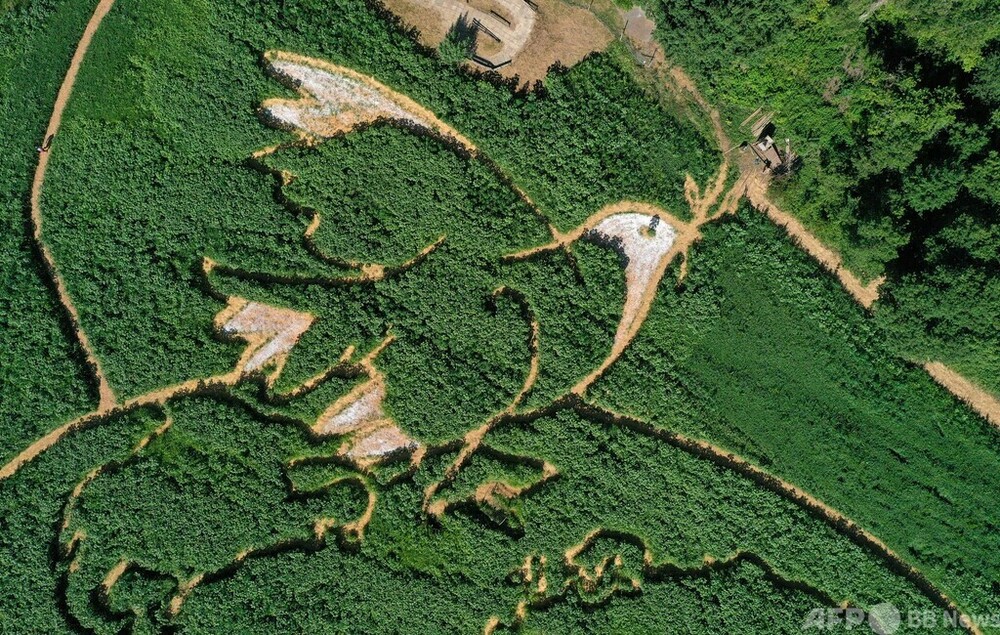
[
  {"x": 504, "y": 25},
  {"x": 358, "y": 408},
  {"x": 638, "y": 27},
  {"x": 515, "y": 37},
  {"x": 563, "y": 34},
  {"x": 270, "y": 331},
  {"x": 343, "y": 101},
  {"x": 381, "y": 442},
  {"x": 644, "y": 240},
  {"x": 360, "y": 415}
]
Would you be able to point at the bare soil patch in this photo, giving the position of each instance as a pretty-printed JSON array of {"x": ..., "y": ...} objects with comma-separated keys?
[
  {"x": 334, "y": 100},
  {"x": 360, "y": 407},
  {"x": 270, "y": 331},
  {"x": 638, "y": 27},
  {"x": 507, "y": 22},
  {"x": 380, "y": 442},
  {"x": 531, "y": 39},
  {"x": 563, "y": 34}
]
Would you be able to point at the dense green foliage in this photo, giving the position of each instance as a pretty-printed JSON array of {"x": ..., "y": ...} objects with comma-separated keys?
[
  {"x": 760, "y": 356},
  {"x": 151, "y": 173},
  {"x": 894, "y": 119},
  {"x": 460, "y": 354},
  {"x": 452, "y": 578},
  {"x": 32, "y": 505},
  {"x": 40, "y": 374}
]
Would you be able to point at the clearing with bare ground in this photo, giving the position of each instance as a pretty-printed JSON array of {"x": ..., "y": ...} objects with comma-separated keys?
[{"x": 514, "y": 37}]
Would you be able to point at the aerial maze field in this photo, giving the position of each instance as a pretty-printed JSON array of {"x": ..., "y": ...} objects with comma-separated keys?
[{"x": 318, "y": 320}]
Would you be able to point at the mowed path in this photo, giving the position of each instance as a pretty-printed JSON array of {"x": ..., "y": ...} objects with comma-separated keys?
[
  {"x": 864, "y": 294},
  {"x": 978, "y": 399},
  {"x": 106, "y": 396},
  {"x": 108, "y": 406},
  {"x": 975, "y": 397}
]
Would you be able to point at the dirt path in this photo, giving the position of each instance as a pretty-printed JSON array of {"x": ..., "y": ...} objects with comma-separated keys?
[
  {"x": 975, "y": 397},
  {"x": 156, "y": 397},
  {"x": 864, "y": 294},
  {"x": 754, "y": 186},
  {"x": 107, "y": 398},
  {"x": 832, "y": 516}
]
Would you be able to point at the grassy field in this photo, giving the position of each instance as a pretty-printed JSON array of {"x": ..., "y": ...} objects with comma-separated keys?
[
  {"x": 765, "y": 355},
  {"x": 893, "y": 121},
  {"x": 219, "y": 510}
]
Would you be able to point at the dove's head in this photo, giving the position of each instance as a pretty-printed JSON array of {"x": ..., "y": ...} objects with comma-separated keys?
[
  {"x": 645, "y": 241},
  {"x": 642, "y": 239}
]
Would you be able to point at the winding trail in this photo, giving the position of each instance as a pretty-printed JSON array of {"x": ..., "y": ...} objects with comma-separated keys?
[
  {"x": 156, "y": 397},
  {"x": 755, "y": 189},
  {"x": 107, "y": 399},
  {"x": 754, "y": 184},
  {"x": 864, "y": 294}
]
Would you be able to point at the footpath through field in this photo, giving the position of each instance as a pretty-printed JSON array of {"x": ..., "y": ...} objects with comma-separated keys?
[{"x": 106, "y": 396}]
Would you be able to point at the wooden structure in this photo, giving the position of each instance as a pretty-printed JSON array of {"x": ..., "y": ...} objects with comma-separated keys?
[{"x": 763, "y": 145}]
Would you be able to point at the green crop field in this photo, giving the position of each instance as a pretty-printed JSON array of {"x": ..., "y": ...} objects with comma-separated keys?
[{"x": 311, "y": 327}]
